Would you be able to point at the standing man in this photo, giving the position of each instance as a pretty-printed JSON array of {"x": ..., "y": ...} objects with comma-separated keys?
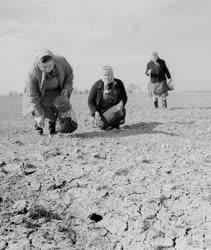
[
  {"x": 160, "y": 80},
  {"x": 51, "y": 76}
]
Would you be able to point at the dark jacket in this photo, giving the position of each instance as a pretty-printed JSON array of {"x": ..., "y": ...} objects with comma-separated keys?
[
  {"x": 158, "y": 73},
  {"x": 97, "y": 91}
]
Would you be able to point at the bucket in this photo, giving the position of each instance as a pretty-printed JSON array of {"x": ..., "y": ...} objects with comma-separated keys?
[{"x": 62, "y": 104}]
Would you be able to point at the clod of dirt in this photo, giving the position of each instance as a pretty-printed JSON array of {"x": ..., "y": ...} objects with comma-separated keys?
[
  {"x": 70, "y": 232},
  {"x": 18, "y": 142},
  {"x": 168, "y": 171},
  {"x": 20, "y": 207},
  {"x": 2, "y": 163},
  {"x": 3, "y": 244},
  {"x": 145, "y": 161},
  {"x": 51, "y": 152},
  {"x": 95, "y": 217},
  {"x": 164, "y": 243},
  {"x": 30, "y": 224},
  {"x": 98, "y": 156},
  {"x": 12, "y": 168},
  {"x": 77, "y": 151},
  {"x": 37, "y": 211},
  {"x": 123, "y": 172},
  {"x": 57, "y": 185},
  {"x": 18, "y": 219},
  {"x": 29, "y": 169},
  {"x": 35, "y": 185},
  {"x": 31, "y": 166}
]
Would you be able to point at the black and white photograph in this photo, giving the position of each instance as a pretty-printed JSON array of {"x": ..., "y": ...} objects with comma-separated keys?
[{"x": 105, "y": 125}]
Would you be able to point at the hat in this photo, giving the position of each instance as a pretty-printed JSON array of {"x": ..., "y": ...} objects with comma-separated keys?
[{"x": 62, "y": 104}]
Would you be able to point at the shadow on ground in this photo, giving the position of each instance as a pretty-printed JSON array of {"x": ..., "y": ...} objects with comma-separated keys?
[
  {"x": 177, "y": 108},
  {"x": 127, "y": 130}
]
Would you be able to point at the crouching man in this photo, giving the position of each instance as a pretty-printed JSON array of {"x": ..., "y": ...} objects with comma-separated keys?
[{"x": 50, "y": 77}]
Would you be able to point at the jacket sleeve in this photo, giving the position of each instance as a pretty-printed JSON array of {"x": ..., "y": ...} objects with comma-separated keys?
[
  {"x": 147, "y": 69},
  {"x": 92, "y": 100},
  {"x": 33, "y": 93},
  {"x": 167, "y": 73},
  {"x": 68, "y": 79},
  {"x": 123, "y": 92}
]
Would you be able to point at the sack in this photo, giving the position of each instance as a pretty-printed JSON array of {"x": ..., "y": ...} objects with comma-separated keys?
[
  {"x": 66, "y": 125},
  {"x": 67, "y": 122},
  {"x": 114, "y": 115},
  {"x": 171, "y": 86}
]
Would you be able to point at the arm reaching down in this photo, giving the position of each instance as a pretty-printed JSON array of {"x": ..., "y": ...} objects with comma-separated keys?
[
  {"x": 92, "y": 100},
  {"x": 33, "y": 93},
  {"x": 68, "y": 80}
]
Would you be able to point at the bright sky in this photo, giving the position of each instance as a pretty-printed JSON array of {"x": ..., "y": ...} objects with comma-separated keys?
[{"x": 121, "y": 33}]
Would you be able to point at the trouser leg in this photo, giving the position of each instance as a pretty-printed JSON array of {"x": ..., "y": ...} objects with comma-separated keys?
[
  {"x": 51, "y": 113},
  {"x": 52, "y": 127},
  {"x": 37, "y": 128},
  {"x": 164, "y": 102},
  {"x": 155, "y": 102}
]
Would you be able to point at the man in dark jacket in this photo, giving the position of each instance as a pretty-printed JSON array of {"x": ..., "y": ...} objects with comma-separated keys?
[
  {"x": 158, "y": 85},
  {"x": 107, "y": 98}
]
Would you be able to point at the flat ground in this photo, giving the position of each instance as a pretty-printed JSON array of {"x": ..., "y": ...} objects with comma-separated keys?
[{"x": 147, "y": 186}]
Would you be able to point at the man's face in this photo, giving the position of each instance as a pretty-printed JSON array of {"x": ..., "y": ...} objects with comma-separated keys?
[
  {"x": 107, "y": 76},
  {"x": 47, "y": 67}
]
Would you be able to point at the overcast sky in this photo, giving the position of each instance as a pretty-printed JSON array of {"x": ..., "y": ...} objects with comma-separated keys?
[{"x": 121, "y": 33}]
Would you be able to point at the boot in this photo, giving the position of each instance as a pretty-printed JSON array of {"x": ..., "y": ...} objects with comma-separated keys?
[
  {"x": 164, "y": 103},
  {"x": 52, "y": 127},
  {"x": 156, "y": 103},
  {"x": 38, "y": 129}
]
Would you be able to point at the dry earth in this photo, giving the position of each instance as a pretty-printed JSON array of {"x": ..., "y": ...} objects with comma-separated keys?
[{"x": 147, "y": 186}]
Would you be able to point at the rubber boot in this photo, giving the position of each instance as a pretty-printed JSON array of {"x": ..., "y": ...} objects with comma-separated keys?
[
  {"x": 156, "y": 103},
  {"x": 52, "y": 127},
  {"x": 164, "y": 103}
]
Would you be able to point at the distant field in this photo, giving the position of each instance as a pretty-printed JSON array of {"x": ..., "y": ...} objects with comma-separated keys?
[{"x": 182, "y": 99}]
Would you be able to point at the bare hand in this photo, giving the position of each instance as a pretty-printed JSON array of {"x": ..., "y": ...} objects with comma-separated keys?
[
  {"x": 169, "y": 81},
  {"x": 97, "y": 115},
  {"x": 121, "y": 105},
  {"x": 65, "y": 92},
  {"x": 98, "y": 121},
  {"x": 40, "y": 120}
]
